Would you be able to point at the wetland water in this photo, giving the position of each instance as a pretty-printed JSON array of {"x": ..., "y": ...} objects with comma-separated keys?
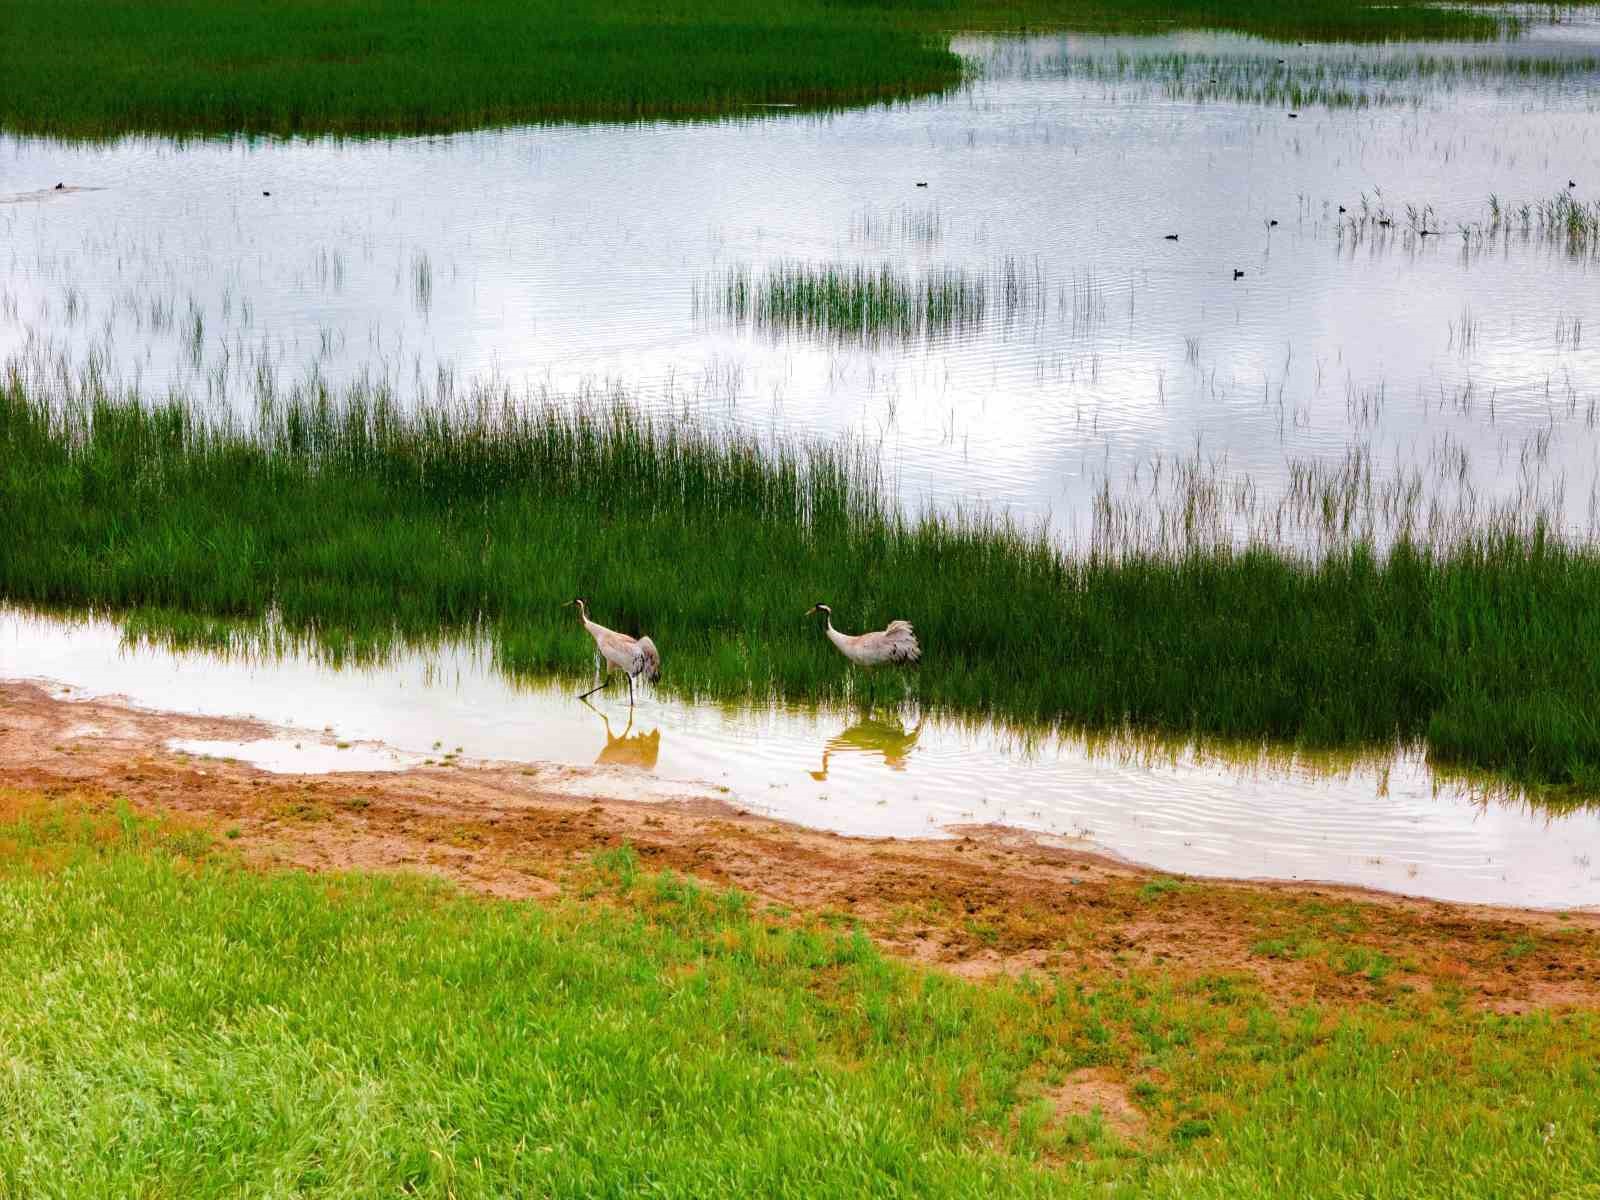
[
  {"x": 597, "y": 255},
  {"x": 1412, "y": 330},
  {"x": 1384, "y": 821}
]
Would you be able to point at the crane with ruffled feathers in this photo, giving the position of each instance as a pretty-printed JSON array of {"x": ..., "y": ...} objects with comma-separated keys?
[
  {"x": 634, "y": 657},
  {"x": 896, "y": 643}
]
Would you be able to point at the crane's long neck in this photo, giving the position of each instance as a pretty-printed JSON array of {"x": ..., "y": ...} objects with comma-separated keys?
[{"x": 595, "y": 631}]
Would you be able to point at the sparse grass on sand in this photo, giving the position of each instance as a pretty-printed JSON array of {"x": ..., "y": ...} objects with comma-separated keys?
[
  {"x": 174, "y": 1024},
  {"x": 101, "y": 68}
]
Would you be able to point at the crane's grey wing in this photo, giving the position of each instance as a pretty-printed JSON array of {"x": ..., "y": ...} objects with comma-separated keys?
[
  {"x": 901, "y": 642},
  {"x": 649, "y": 659}
]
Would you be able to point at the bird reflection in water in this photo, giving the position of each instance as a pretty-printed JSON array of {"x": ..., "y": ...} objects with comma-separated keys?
[
  {"x": 888, "y": 739},
  {"x": 628, "y": 749}
]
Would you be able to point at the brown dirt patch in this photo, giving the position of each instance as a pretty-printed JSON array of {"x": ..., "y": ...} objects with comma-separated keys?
[
  {"x": 1097, "y": 1090},
  {"x": 990, "y": 901}
]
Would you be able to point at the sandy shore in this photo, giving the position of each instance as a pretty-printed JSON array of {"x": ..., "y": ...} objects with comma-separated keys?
[{"x": 990, "y": 900}]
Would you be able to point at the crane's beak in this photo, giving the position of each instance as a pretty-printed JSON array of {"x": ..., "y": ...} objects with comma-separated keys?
[{"x": 811, "y": 610}]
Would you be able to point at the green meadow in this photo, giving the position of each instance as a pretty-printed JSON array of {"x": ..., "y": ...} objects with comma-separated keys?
[
  {"x": 102, "y": 68},
  {"x": 172, "y": 1024},
  {"x": 350, "y": 520}
]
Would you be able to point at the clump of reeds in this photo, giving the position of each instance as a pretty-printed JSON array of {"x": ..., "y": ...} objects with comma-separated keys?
[
  {"x": 922, "y": 227},
  {"x": 1563, "y": 222},
  {"x": 870, "y": 304}
]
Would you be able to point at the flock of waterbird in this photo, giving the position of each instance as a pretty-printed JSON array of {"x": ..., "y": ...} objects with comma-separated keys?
[{"x": 638, "y": 658}]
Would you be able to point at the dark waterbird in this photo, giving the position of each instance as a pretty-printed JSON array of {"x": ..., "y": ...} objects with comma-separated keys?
[
  {"x": 922, "y": 183},
  {"x": 1271, "y": 224},
  {"x": 1341, "y": 208},
  {"x": 1238, "y": 274},
  {"x": 266, "y": 193},
  {"x": 60, "y": 187},
  {"x": 1172, "y": 237}
]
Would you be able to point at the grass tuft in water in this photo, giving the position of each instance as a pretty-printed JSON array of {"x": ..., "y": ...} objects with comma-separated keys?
[{"x": 857, "y": 303}]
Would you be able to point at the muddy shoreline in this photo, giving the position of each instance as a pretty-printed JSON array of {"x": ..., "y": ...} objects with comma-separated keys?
[{"x": 988, "y": 900}]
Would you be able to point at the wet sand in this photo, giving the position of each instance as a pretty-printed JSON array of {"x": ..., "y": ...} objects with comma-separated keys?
[{"x": 991, "y": 900}]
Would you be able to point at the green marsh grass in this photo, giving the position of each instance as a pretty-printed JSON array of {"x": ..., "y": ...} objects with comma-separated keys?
[
  {"x": 865, "y": 304},
  {"x": 1564, "y": 223},
  {"x": 1354, "y": 610},
  {"x": 175, "y": 1024},
  {"x": 102, "y": 68}
]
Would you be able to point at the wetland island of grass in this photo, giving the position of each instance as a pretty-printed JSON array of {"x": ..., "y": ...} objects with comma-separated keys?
[{"x": 1212, "y": 386}]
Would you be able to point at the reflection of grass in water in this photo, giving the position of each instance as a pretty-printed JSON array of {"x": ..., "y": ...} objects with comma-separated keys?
[
  {"x": 860, "y": 303},
  {"x": 99, "y": 68},
  {"x": 921, "y": 227},
  {"x": 422, "y": 283},
  {"x": 351, "y": 519},
  {"x": 1328, "y": 78}
]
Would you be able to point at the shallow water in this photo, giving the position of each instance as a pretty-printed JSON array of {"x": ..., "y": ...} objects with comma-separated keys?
[
  {"x": 1385, "y": 822},
  {"x": 563, "y": 255}
]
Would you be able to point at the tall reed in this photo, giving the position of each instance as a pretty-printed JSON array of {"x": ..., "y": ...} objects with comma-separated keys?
[{"x": 354, "y": 519}]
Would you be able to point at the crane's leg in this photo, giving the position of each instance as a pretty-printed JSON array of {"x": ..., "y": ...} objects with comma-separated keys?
[
  {"x": 602, "y": 677},
  {"x": 630, "y": 691}
]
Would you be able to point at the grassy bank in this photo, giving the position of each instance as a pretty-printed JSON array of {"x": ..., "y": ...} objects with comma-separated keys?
[
  {"x": 174, "y": 1024},
  {"x": 99, "y": 68},
  {"x": 357, "y": 524}
]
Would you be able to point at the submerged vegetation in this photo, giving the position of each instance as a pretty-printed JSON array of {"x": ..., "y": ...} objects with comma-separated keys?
[
  {"x": 352, "y": 519},
  {"x": 99, "y": 68},
  {"x": 1331, "y": 77},
  {"x": 178, "y": 1024}
]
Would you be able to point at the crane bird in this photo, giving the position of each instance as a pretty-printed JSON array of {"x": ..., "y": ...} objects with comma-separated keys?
[
  {"x": 895, "y": 644},
  {"x": 632, "y": 656}
]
